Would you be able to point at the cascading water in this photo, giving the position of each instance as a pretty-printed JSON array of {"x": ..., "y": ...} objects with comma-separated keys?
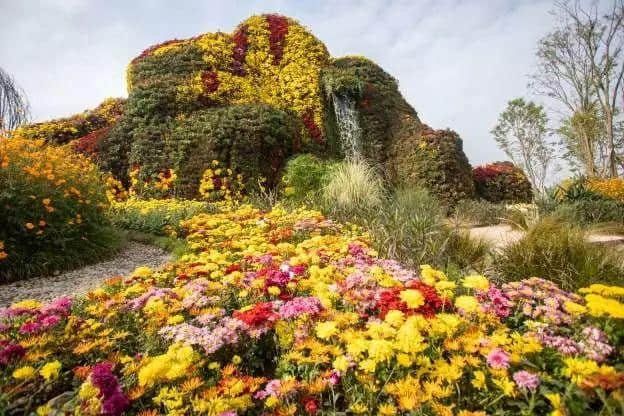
[{"x": 348, "y": 126}]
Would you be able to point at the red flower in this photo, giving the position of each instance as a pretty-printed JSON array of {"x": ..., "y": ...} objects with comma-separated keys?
[
  {"x": 210, "y": 81},
  {"x": 391, "y": 299},
  {"x": 310, "y": 405},
  {"x": 313, "y": 129},
  {"x": 240, "y": 50},
  {"x": 261, "y": 315}
]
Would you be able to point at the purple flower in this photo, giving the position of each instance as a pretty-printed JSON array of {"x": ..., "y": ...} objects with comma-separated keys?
[
  {"x": 10, "y": 352},
  {"x": 526, "y": 380},
  {"x": 59, "y": 306},
  {"x": 299, "y": 306},
  {"x": 498, "y": 358},
  {"x": 113, "y": 400}
]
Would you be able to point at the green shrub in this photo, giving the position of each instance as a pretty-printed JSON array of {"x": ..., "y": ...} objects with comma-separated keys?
[
  {"x": 158, "y": 217},
  {"x": 304, "y": 178},
  {"x": 560, "y": 253},
  {"x": 586, "y": 212},
  {"x": 479, "y": 212},
  {"x": 354, "y": 191},
  {"x": 53, "y": 204},
  {"x": 502, "y": 182}
]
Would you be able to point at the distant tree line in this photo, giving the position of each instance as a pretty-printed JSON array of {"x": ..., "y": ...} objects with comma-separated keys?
[{"x": 579, "y": 72}]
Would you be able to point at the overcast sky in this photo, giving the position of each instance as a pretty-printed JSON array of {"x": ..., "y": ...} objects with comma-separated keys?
[{"x": 457, "y": 62}]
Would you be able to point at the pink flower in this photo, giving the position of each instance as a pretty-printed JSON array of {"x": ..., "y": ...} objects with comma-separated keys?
[
  {"x": 526, "y": 380},
  {"x": 498, "y": 358}
]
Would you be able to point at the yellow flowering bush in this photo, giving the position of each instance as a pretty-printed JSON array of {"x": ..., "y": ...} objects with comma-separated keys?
[
  {"x": 610, "y": 188},
  {"x": 53, "y": 209},
  {"x": 286, "y": 312}
]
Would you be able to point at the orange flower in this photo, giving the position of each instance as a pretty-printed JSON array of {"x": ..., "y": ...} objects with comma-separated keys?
[{"x": 30, "y": 225}]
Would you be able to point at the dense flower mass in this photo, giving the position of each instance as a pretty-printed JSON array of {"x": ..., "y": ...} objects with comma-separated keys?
[
  {"x": 52, "y": 202},
  {"x": 288, "y": 313}
]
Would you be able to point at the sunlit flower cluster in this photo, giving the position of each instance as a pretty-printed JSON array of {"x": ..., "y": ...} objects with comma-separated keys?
[
  {"x": 289, "y": 313},
  {"x": 220, "y": 183}
]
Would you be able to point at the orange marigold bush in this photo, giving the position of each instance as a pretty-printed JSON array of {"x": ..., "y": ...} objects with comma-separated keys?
[
  {"x": 53, "y": 204},
  {"x": 612, "y": 188}
]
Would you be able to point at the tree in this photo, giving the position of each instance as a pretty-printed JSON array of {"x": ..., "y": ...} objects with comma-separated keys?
[
  {"x": 522, "y": 133},
  {"x": 580, "y": 65},
  {"x": 14, "y": 108}
]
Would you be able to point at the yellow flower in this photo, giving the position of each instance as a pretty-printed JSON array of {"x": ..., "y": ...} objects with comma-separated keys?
[
  {"x": 395, "y": 318},
  {"x": 387, "y": 409},
  {"x": 271, "y": 402},
  {"x": 478, "y": 380},
  {"x": 325, "y": 330},
  {"x": 24, "y": 373},
  {"x": 44, "y": 410},
  {"x": 27, "y": 304},
  {"x": 51, "y": 370},
  {"x": 367, "y": 366},
  {"x": 175, "y": 319},
  {"x": 274, "y": 290},
  {"x": 341, "y": 363},
  {"x": 358, "y": 408},
  {"x": 476, "y": 282},
  {"x": 413, "y": 298},
  {"x": 574, "y": 308},
  {"x": 469, "y": 304}
]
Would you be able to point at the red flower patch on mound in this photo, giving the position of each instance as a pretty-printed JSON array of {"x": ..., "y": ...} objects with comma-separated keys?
[
  {"x": 240, "y": 50},
  {"x": 278, "y": 28}
]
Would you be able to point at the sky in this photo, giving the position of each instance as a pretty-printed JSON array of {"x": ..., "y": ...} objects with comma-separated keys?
[{"x": 458, "y": 62}]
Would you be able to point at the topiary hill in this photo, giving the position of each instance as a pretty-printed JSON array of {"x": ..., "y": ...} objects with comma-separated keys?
[{"x": 255, "y": 97}]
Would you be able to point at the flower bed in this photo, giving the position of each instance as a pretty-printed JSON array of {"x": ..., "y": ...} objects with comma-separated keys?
[{"x": 288, "y": 313}]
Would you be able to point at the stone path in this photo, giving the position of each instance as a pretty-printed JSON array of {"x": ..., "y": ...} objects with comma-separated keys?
[
  {"x": 501, "y": 235},
  {"x": 82, "y": 280}
]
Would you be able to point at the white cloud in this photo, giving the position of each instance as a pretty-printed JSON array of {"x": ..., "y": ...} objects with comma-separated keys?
[{"x": 457, "y": 62}]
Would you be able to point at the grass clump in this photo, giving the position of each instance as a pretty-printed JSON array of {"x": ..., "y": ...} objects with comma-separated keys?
[
  {"x": 354, "y": 191},
  {"x": 558, "y": 252},
  {"x": 479, "y": 212},
  {"x": 410, "y": 228}
]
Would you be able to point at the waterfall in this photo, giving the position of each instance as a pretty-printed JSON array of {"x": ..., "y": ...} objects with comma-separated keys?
[{"x": 348, "y": 126}]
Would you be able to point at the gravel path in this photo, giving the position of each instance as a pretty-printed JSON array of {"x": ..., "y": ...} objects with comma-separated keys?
[
  {"x": 502, "y": 235},
  {"x": 82, "y": 280}
]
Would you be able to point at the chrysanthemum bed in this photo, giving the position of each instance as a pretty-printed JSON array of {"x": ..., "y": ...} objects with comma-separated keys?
[{"x": 288, "y": 313}]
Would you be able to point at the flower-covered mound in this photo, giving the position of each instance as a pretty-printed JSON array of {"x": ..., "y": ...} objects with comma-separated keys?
[{"x": 289, "y": 313}]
